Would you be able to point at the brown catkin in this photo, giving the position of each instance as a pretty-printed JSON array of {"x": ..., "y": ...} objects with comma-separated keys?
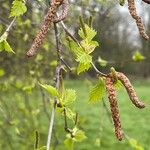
[
  {"x": 114, "y": 107},
  {"x": 131, "y": 92},
  {"x": 48, "y": 19},
  {"x": 65, "y": 9},
  {"x": 133, "y": 12}
]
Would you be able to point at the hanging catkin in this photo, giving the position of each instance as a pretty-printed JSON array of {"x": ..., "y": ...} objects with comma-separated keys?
[
  {"x": 65, "y": 9},
  {"x": 131, "y": 92},
  {"x": 133, "y": 12},
  {"x": 48, "y": 19},
  {"x": 114, "y": 107}
]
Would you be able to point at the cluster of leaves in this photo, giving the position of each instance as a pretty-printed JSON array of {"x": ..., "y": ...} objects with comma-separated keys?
[
  {"x": 18, "y": 9},
  {"x": 83, "y": 50},
  {"x": 65, "y": 97}
]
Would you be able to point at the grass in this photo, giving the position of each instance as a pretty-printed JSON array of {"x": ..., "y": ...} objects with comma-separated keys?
[{"x": 27, "y": 115}]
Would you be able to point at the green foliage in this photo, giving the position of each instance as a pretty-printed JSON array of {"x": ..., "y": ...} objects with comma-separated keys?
[
  {"x": 82, "y": 57},
  {"x": 90, "y": 33},
  {"x": 50, "y": 89},
  {"x": 137, "y": 56},
  {"x": 69, "y": 143},
  {"x": 75, "y": 136},
  {"x": 4, "y": 45},
  {"x": 102, "y": 62},
  {"x": 118, "y": 84},
  {"x": 98, "y": 91},
  {"x": 87, "y": 46},
  {"x": 135, "y": 144},
  {"x": 69, "y": 97},
  {"x": 18, "y": 8},
  {"x": 78, "y": 135}
]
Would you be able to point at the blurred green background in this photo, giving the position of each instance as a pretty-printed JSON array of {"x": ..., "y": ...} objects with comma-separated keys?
[{"x": 25, "y": 107}]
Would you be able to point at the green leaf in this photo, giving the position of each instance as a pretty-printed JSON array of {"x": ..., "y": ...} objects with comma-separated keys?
[
  {"x": 4, "y": 46},
  {"x": 79, "y": 135},
  {"x": 18, "y": 8},
  {"x": 84, "y": 58},
  {"x": 50, "y": 89},
  {"x": 89, "y": 47},
  {"x": 70, "y": 114},
  {"x": 69, "y": 97},
  {"x": 8, "y": 47},
  {"x": 98, "y": 91},
  {"x": 90, "y": 33},
  {"x": 83, "y": 67},
  {"x": 118, "y": 84},
  {"x": 137, "y": 56},
  {"x": 69, "y": 143},
  {"x": 102, "y": 62}
]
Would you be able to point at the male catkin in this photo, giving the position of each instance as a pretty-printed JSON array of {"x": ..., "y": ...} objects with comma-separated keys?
[
  {"x": 133, "y": 12},
  {"x": 131, "y": 92},
  {"x": 114, "y": 107},
  {"x": 65, "y": 9},
  {"x": 48, "y": 19}
]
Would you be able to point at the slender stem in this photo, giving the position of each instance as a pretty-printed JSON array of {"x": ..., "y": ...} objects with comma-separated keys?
[
  {"x": 57, "y": 85},
  {"x": 11, "y": 24},
  {"x": 97, "y": 71},
  {"x": 9, "y": 27},
  {"x": 51, "y": 127}
]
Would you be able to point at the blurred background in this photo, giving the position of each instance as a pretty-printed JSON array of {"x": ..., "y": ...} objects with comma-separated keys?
[{"x": 25, "y": 107}]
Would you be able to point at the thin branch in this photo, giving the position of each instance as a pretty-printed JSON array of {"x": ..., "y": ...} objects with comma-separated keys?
[
  {"x": 9, "y": 27},
  {"x": 97, "y": 71},
  {"x": 57, "y": 85}
]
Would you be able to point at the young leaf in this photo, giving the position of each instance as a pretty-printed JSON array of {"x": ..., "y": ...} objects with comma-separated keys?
[
  {"x": 137, "y": 56},
  {"x": 90, "y": 33},
  {"x": 102, "y": 62},
  {"x": 98, "y": 91},
  {"x": 69, "y": 143},
  {"x": 18, "y": 8},
  {"x": 79, "y": 135},
  {"x": 4, "y": 46},
  {"x": 84, "y": 58},
  {"x": 70, "y": 96},
  {"x": 50, "y": 89},
  {"x": 89, "y": 47},
  {"x": 7, "y": 47},
  {"x": 70, "y": 114},
  {"x": 118, "y": 84},
  {"x": 83, "y": 67}
]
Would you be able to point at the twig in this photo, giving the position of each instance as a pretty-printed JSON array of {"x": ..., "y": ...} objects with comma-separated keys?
[
  {"x": 9, "y": 27},
  {"x": 57, "y": 85},
  {"x": 97, "y": 71},
  {"x": 51, "y": 126}
]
